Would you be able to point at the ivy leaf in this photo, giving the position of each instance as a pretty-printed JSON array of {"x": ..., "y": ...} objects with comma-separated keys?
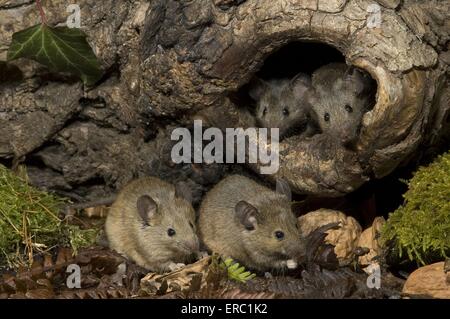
[{"x": 61, "y": 49}]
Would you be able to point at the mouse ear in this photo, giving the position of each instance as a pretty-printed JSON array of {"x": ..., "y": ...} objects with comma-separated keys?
[
  {"x": 312, "y": 96},
  {"x": 182, "y": 190},
  {"x": 357, "y": 80},
  {"x": 246, "y": 214},
  {"x": 339, "y": 84},
  {"x": 300, "y": 84},
  {"x": 147, "y": 210},
  {"x": 283, "y": 188},
  {"x": 257, "y": 88}
]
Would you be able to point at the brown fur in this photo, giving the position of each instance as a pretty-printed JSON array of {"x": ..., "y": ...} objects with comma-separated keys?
[
  {"x": 259, "y": 249},
  {"x": 282, "y": 104},
  {"x": 148, "y": 244},
  {"x": 340, "y": 97}
]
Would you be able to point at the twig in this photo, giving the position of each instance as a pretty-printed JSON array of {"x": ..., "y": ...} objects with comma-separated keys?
[
  {"x": 26, "y": 239},
  {"x": 10, "y": 222}
]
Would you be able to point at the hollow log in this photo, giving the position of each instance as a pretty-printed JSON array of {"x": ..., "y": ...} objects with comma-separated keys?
[
  {"x": 167, "y": 61},
  {"x": 196, "y": 53}
]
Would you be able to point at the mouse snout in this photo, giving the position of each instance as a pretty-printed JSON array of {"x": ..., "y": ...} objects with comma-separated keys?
[
  {"x": 349, "y": 137},
  {"x": 298, "y": 250},
  {"x": 347, "y": 140},
  {"x": 192, "y": 245}
]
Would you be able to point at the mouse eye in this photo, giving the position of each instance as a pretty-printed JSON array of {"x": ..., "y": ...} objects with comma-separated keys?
[
  {"x": 326, "y": 117},
  {"x": 265, "y": 111},
  {"x": 348, "y": 108},
  {"x": 192, "y": 225},
  {"x": 285, "y": 112},
  {"x": 171, "y": 232},
  {"x": 279, "y": 235}
]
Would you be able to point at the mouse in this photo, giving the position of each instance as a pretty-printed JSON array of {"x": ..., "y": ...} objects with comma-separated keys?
[
  {"x": 252, "y": 224},
  {"x": 282, "y": 104},
  {"x": 152, "y": 223},
  {"x": 339, "y": 97}
]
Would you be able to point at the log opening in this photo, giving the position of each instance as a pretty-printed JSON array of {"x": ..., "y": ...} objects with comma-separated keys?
[
  {"x": 298, "y": 56},
  {"x": 292, "y": 59}
]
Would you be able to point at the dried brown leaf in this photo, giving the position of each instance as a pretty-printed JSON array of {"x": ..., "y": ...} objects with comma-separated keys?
[
  {"x": 237, "y": 293},
  {"x": 43, "y": 282},
  {"x": 40, "y": 293},
  {"x": 188, "y": 279}
]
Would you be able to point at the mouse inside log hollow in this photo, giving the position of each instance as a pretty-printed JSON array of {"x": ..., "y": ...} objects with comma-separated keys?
[{"x": 282, "y": 104}]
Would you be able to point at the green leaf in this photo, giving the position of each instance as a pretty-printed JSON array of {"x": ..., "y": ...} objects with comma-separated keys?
[
  {"x": 236, "y": 271},
  {"x": 228, "y": 262},
  {"x": 239, "y": 271},
  {"x": 61, "y": 49},
  {"x": 233, "y": 267}
]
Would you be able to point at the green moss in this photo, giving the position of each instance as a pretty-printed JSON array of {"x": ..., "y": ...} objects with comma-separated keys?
[
  {"x": 29, "y": 221},
  {"x": 420, "y": 228},
  {"x": 79, "y": 238}
]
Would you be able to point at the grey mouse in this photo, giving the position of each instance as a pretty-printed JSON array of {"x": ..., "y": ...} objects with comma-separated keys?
[
  {"x": 153, "y": 223},
  {"x": 252, "y": 224},
  {"x": 339, "y": 98},
  {"x": 281, "y": 103}
]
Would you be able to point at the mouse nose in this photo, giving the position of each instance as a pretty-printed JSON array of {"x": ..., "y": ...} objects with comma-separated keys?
[
  {"x": 349, "y": 136},
  {"x": 298, "y": 251},
  {"x": 193, "y": 245},
  {"x": 349, "y": 141},
  {"x": 346, "y": 139}
]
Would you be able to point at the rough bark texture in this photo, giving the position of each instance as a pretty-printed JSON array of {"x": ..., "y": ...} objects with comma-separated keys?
[{"x": 168, "y": 60}]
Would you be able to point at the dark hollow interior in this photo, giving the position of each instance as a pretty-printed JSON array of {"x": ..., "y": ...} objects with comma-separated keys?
[{"x": 297, "y": 57}]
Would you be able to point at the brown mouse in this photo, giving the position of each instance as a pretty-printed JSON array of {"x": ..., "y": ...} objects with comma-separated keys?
[
  {"x": 282, "y": 104},
  {"x": 252, "y": 224},
  {"x": 339, "y": 98},
  {"x": 152, "y": 223}
]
